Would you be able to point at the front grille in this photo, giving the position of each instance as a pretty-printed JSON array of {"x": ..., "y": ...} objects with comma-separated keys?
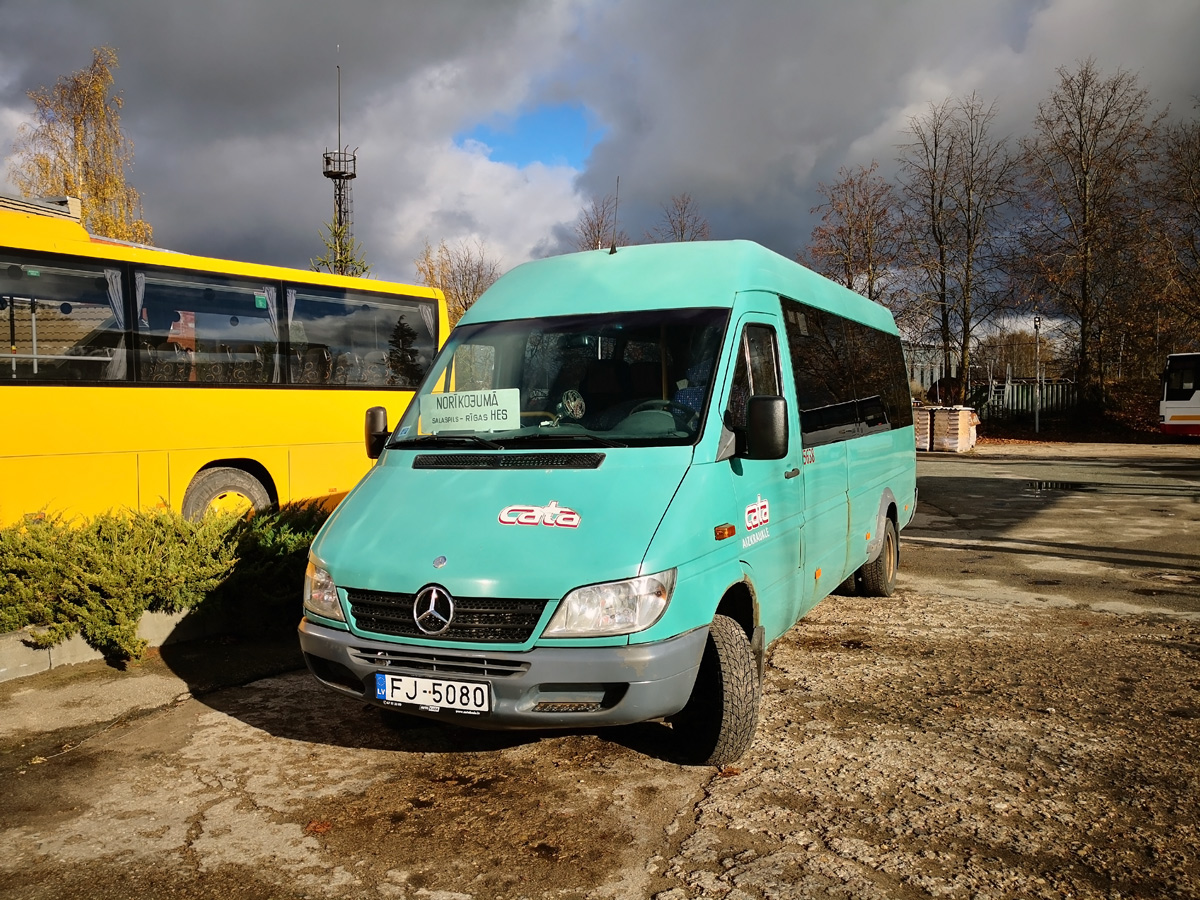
[
  {"x": 476, "y": 619},
  {"x": 508, "y": 461},
  {"x": 440, "y": 663}
]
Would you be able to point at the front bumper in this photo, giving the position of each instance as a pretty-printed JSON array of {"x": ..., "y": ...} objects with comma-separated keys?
[{"x": 546, "y": 687}]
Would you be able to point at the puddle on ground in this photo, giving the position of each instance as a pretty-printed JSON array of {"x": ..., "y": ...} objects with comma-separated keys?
[{"x": 1038, "y": 487}]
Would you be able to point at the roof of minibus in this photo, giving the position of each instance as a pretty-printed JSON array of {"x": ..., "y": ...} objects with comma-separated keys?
[
  {"x": 30, "y": 231},
  {"x": 685, "y": 274}
]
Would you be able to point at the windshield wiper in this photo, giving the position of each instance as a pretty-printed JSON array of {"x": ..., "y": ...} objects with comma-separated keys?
[
  {"x": 561, "y": 436},
  {"x": 473, "y": 439}
]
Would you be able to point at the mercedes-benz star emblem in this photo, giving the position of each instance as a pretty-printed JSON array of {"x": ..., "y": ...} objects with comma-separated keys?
[{"x": 433, "y": 609}]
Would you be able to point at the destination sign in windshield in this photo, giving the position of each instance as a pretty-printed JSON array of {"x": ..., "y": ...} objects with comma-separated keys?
[{"x": 497, "y": 410}]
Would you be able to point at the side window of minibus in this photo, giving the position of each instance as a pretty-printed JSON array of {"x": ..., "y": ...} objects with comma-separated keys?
[{"x": 756, "y": 372}]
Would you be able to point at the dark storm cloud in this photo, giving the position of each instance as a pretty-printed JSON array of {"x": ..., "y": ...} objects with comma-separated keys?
[
  {"x": 748, "y": 113},
  {"x": 747, "y": 107},
  {"x": 230, "y": 104}
]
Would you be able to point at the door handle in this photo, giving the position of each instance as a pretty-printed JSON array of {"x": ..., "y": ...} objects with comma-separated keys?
[{"x": 791, "y": 473}]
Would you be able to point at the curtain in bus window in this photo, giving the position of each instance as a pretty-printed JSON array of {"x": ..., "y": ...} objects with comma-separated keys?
[
  {"x": 118, "y": 365},
  {"x": 273, "y": 317},
  {"x": 206, "y": 329},
  {"x": 356, "y": 338},
  {"x": 63, "y": 322},
  {"x": 429, "y": 317}
]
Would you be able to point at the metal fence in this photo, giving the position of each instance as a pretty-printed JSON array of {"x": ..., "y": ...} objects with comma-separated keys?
[{"x": 1018, "y": 399}]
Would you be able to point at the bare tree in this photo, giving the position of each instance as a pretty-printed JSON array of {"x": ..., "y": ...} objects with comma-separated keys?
[
  {"x": 77, "y": 148},
  {"x": 925, "y": 172},
  {"x": 1084, "y": 247},
  {"x": 596, "y": 226},
  {"x": 958, "y": 184},
  {"x": 1176, "y": 192},
  {"x": 462, "y": 272},
  {"x": 981, "y": 191},
  {"x": 858, "y": 241},
  {"x": 1002, "y": 350},
  {"x": 681, "y": 221}
]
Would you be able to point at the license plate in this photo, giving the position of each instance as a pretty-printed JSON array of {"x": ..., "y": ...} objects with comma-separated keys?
[{"x": 434, "y": 694}]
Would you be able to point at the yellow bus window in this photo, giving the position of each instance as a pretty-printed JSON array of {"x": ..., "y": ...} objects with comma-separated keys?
[
  {"x": 202, "y": 328},
  {"x": 62, "y": 323},
  {"x": 348, "y": 337}
]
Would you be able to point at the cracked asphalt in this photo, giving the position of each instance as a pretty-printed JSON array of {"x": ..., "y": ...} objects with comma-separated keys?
[{"x": 1020, "y": 720}]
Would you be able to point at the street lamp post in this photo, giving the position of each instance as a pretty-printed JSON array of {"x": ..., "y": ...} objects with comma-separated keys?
[{"x": 1037, "y": 372}]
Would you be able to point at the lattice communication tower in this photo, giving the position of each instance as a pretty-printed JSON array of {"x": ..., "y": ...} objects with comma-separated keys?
[{"x": 340, "y": 166}]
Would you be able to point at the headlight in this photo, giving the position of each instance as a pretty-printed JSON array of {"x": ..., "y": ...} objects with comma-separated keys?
[
  {"x": 616, "y": 607},
  {"x": 320, "y": 594}
]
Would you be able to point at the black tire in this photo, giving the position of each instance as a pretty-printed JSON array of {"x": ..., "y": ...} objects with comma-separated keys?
[
  {"x": 879, "y": 577},
  {"x": 717, "y": 725},
  {"x": 224, "y": 486}
]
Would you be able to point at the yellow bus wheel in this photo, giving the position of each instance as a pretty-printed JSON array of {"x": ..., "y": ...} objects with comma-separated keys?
[{"x": 224, "y": 489}]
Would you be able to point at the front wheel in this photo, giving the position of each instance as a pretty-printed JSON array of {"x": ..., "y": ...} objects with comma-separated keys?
[
  {"x": 717, "y": 725},
  {"x": 879, "y": 577}
]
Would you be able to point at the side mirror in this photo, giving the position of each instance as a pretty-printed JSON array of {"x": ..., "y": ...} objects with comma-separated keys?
[
  {"x": 766, "y": 428},
  {"x": 376, "y": 431}
]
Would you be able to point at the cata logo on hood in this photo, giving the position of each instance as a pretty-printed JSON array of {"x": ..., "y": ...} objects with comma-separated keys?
[{"x": 550, "y": 514}]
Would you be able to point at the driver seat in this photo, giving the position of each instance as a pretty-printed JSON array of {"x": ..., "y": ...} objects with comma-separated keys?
[{"x": 693, "y": 393}]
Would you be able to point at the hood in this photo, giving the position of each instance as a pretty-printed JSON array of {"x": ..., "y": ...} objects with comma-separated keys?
[{"x": 523, "y": 533}]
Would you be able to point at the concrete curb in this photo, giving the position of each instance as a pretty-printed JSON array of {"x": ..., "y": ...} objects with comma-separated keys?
[{"x": 18, "y": 658}]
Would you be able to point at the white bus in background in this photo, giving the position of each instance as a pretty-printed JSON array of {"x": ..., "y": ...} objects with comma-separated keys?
[{"x": 1179, "y": 403}]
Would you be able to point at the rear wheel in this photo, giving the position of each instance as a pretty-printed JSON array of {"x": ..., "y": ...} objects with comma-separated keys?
[
  {"x": 717, "y": 725},
  {"x": 224, "y": 489},
  {"x": 879, "y": 577}
]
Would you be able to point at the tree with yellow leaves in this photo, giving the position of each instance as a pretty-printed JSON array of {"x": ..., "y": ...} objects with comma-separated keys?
[
  {"x": 77, "y": 149},
  {"x": 462, "y": 271}
]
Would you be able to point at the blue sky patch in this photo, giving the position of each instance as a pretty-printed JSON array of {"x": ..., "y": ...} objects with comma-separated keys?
[{"x": 554, "y": 135}]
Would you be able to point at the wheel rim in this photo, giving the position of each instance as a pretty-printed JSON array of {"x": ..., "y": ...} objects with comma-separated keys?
[
  {"x": 890, "y": 550},
  {"x": 232, "y": 502}
]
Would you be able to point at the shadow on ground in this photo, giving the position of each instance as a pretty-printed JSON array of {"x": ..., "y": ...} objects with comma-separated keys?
[{"x": 262, "y": 682}]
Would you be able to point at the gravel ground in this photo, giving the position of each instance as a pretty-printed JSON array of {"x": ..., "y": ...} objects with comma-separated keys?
[
  {"x": 924, "y": 746},
  {"x": 928, "y": 746}
]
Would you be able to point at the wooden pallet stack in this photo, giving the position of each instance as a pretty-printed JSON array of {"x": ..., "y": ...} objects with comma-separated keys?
[
  {"x": 952, "y": 429},
  {"x": 921, "y": 415}
]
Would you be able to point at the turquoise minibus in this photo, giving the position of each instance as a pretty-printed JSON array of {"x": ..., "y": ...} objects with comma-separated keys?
[{"x": 625, "y": 475}]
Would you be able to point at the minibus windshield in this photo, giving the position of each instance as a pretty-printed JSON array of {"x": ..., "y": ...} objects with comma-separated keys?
[{"x": 604, "y": 379}]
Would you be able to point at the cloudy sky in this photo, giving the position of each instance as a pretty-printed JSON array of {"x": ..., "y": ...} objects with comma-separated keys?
[{"x": 498, "y": 120}]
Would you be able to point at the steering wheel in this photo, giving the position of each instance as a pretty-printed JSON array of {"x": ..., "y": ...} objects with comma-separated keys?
[
  {"x": 674, "y": 407},
  {"x": 538, "y": 413}
]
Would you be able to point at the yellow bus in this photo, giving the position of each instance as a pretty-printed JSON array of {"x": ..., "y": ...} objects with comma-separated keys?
[{"x": 143, "y": 378}]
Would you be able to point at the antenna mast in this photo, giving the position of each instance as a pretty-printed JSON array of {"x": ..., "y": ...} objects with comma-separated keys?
[
  {"x": 340, "y": 166},
  {"x": 616, "y": 206}
]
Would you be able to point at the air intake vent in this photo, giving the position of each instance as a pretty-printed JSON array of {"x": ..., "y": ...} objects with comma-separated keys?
[
  {"x": 474, "y": 665},
  {"x": 508, "y": 461}
]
